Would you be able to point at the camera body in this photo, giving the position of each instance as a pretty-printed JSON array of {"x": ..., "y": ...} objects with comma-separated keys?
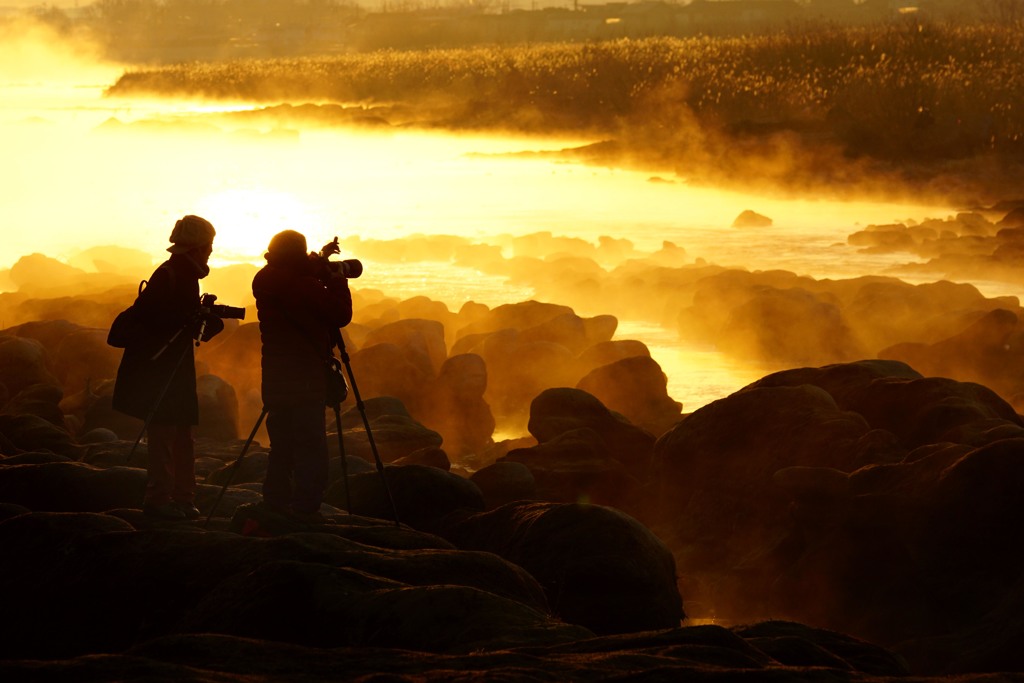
[{"x": 208, "y": 307}]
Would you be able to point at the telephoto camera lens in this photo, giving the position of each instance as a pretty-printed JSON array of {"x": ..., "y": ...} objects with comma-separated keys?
[{"x": 350, "y": 268}]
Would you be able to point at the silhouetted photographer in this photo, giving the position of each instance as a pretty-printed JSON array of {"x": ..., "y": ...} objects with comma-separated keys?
[
  {"x": 302, "y": 300},
  {"x": 156, "y": 381}
]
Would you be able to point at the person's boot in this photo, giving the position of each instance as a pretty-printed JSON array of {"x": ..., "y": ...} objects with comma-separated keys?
[{"x": 188, "y": 509}]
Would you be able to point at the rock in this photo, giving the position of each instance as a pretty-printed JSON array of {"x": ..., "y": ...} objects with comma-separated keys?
[
  {"x": 428, "y": 457},
  {"x": 423, "y": 496},
  {"x": 886, "y": 238},
  {"x": 99, "y": 414},
  {"x": 967, "y": 555},
  {"x": 8, "y": 510},
  {"x": 31, "y": 432},
  {"x": 353, "y": 465},
  {"x": 789, "y": 326},
  {"x": 38, "y": 400},
  {"x": 800, "y": 645},
  {"x": 577, "y": 467},
  {"x": 556, "y": 411},
  {"x": 981, "y": 353},
  {"x": 517, "y": 371},
  {"x": 504, "y": 482},
  {"x": 83, "y": 357},
  {"x": 34, "y": 458},
  {"x": 931, "y": 409},
  {"x": 373, "y": 408},
  {"x": 425, "y": 308},
  {"x": 600, "y": 568},
  {"x": 337, "y": 606},
  {"x": 220, "y": 581},
  {"x": 421, "y": 341},
  {"x": 72, "y": 487},
  {"x": 456, "y": 407},
  {"x": 394, "y": 437},
  {"x": 715, "y": 474},
  {"x": 48, "y": 332},
  {"x": 567, "y": 329},
  {"x": 250, "y": 469},
  {"x": 218, "y": 408},
  {"x": 235, "y": 356},
  {"x": 990, "y": 643},
  {"x": 517, "y": 316},
  {"x": 918, "y": 410},
  {"x": 845, "y": 382},
  {"x": 636, "y": 388},
  {"x": 751, "y": 219},
  {"x": 607, "y": 352},
  {"x": 97, "y": 435},
  {"x": 24, "y": 362},
  {"x": 1013, "y": 219},
  {"x": 387, "y": 369}
]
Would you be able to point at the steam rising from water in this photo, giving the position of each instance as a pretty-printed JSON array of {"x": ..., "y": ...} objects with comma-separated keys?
[{"x": 92, "y": 171}]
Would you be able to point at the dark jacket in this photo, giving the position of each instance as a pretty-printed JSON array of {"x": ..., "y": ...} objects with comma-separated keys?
[
  {"x": 167, "y": 306},
  {"x": 299, "y": 315}
]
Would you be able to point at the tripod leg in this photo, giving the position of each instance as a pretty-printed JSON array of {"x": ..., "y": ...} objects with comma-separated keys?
[
  {"x": 366, "y": 424},
  {"x": 344, "y": 461},
  {"x": 234, "y": 466}
]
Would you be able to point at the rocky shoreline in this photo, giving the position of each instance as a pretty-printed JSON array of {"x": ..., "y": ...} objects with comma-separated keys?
[{"x": 849, "y": 517}]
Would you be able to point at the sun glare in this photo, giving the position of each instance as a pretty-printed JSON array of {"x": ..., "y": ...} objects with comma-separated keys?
[{"x": 246, "y": 219}]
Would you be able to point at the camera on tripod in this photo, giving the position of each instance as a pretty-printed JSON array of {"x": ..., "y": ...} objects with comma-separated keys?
[
  {"x": 208, "y": 307},
  {"x": 350, "y": 268}
]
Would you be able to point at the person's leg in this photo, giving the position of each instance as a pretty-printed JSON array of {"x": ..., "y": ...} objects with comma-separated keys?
[
  {"x": 311, "y": 458},
  {"x": 183, "y": 466},
  {"x": 183, "y": 462},
  {"x": 277, "y": 484},
  {"x": 160, "y": 472},
  {"x": 159, "y": 475}
]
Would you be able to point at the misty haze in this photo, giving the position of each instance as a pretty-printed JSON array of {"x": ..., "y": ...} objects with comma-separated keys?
[{"x": 688, "y": 334}]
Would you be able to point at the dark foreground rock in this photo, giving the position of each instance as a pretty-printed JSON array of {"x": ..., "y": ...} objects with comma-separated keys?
[
  {"x": 873, "y": 509},
  {"x": 86, "y": 582},
  {"x": 861, "y": 497},
  {"x": 91, "y": 597},
  {"x": 699, "y": 653},
  {"x": 598, "y": 566}
]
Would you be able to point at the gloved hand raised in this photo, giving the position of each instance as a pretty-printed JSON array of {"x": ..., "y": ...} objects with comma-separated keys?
[{"x": 330, "y": 249}]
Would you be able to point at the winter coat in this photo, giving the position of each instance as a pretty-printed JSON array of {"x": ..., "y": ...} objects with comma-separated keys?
[
  {"x": 300, "y": 308},
  {"x": 162, "y": 354}
]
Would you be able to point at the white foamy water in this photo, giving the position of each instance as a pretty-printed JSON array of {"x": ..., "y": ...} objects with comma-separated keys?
[{"x": 78, "y": 175}]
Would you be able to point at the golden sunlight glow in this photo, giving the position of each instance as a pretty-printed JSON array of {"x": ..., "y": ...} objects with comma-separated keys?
[
  {"x": 91, "y": 172},
  {"x": 246, "y": 219}
]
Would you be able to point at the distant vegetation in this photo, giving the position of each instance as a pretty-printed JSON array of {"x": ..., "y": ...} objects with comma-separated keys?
[{"x": 899, "y": 94}]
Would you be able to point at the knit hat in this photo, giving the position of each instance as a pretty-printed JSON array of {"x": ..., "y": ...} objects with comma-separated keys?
[
  {"x": 191, "y": 232},
  {"x": 286, "y": 243}
]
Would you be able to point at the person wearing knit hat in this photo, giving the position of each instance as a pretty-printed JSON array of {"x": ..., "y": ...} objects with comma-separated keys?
[
  {"x": 156, "y": 380},
  {"x": 191, "y": 232},
  {"x": 301, "y": 304}
]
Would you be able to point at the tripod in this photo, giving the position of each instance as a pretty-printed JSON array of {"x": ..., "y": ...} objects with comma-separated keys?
[
  {"x": 339, "y": 343},
  {"x": 334, "y": 401}
]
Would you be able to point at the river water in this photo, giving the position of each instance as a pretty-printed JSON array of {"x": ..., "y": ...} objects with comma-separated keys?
[{"x": 84, "y": 170}]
